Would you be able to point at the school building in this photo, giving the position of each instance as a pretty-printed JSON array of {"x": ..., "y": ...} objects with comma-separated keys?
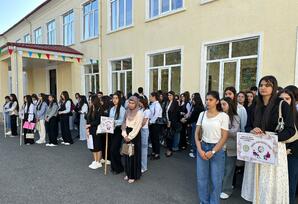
[{"x": 108, "y": 45}]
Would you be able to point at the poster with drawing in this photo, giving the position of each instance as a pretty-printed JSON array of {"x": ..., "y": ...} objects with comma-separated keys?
[
  {"x": 106, "y": 125},
  {"x": 257, "y": 149}
]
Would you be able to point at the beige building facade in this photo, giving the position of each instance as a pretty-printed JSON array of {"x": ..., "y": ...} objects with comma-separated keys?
[{"x": 180, "y": 45}]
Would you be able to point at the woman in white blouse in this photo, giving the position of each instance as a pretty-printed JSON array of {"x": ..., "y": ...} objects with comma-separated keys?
[
  {"x": 132, "y": 134},
  {"x": 13, "y": 112},
  {"x": 29, "y": 116},
  {"x": 64, "y": 113},
  {"x": 83, "y": 110},
  {"x": 211, "y": 135}
]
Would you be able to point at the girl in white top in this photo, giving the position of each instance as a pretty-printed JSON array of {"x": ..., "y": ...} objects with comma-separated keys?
[
  {"x": 13, "y": 112},
  {"x": 213, "y": 125},
  {"x": 83, "y": 104},
  {"x": 145, "y": 132}
]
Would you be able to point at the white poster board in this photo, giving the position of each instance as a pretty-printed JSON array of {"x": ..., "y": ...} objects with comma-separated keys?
[
  {"x": 257, "y": 149},
  {"x": 106, "y": 125}
]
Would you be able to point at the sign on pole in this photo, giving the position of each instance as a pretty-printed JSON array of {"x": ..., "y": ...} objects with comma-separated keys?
[
  {"x": 106, "y": 126},
  {"x": 261, "y": 149}
]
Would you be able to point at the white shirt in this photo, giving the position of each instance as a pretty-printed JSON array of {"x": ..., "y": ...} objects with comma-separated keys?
[
  {"x": 212, "y": 126},
  {"x": 147, "y": 114},
  {"x": 156, "y": 111},
  {"x": 84, "y": 109},
  {"x": 241, "y": 111}
]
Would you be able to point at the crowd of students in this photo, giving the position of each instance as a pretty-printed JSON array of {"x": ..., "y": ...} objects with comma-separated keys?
[{"x": 176, "y": 122}]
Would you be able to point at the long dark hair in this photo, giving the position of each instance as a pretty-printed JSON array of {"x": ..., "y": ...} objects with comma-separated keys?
[
  {"x": 261, "y": 119},
  {"x": 43, "y": 99},
  {"x": 94, "y": 106},
  {"x": 54, "y": 101},
  {"x": 186, "y": 95},
  {"x": 294, "y": 91},
  {"x": 66, "y": 95},
  {"x": 28, "y": 102},
  {"x": 83, "y": 100},
  {"x": 106, "y": 103},
  {"x": 118, "y": 107},
  {"x": 198, "y": 101},
  {"x": 233, "y": 90},
  {"x": 232, "y": 108},
  {"x": 245, "y": 98},
  {"x": 215, "y": 95},
  {"x": 14, "y": 99},
  {"x": 293, "y": 103}
]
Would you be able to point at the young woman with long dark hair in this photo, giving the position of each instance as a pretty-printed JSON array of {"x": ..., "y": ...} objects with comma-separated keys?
[
  {"x": 41, "y": 110},
  {"x": 228, "y": 106},
  {"x": 273, "y": 179},
  {"x": 6, "y": 115},
  {"x": 29, "y": 116},
  {"x": 64, "y": 113},
  {"x": 211, "y": 135},
  {"x": 52, "y": 121},
  {"x": 13, "y": 112},
  {"x": 93, "y": 120},
  {"x": 118, "y": 113},
  {"x": 185, "y": 111},
  {"x": 82, "y": 110},
  {"x": 292, "y": 148}
]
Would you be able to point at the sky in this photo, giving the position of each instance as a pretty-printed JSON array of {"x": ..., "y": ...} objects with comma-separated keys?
[{"x": 11, "y": 11}]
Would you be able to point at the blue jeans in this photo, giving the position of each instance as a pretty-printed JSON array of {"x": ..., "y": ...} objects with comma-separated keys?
[
  {"x": 176, "y": 141},
  {"x": 293, "y": 177},
  {"x": 230, "y": 166},
  {"x": 144, "y": 141},
  {"x": 7, "y": 120},
  {"x": 210, "y": 175}
]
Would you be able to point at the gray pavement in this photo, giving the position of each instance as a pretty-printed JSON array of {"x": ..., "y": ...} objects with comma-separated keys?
[{"x": 39, "y": 174}]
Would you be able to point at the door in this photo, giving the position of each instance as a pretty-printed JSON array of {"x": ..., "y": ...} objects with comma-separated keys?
[{"x": 53, "y": 82}]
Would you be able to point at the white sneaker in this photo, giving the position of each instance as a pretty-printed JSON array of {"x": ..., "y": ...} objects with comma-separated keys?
[
  {"x": 66, "y": 143},
  {"x": 103, "y": 161},
  {"x": 95, "y": 165},
  {"x": 40, "y": 142},
  {"x": 224, "y": 196},
  {"x": 60, "y": 139},
  {"x": 92, "y": 164},
  {"x": 8, "y": 133},
  {"x": 48, "y": 145},
  {"x": 143, "y": 171},
  {"x": 63, "y": 143},
  {"x": 191, "y": 155}
]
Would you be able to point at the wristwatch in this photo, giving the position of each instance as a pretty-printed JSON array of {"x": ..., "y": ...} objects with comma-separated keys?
[{"x": 213, "y": 152}]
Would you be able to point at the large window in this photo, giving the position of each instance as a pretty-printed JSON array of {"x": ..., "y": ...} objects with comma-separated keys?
[
  {"x": 122, "y": 75},
  {"x": 161, "y": 7},
  {"x": 27, "y": 38},
  {"x": 90, "y": 19},
  {"x": 92, "y": 78},
  {"x": 121, "y": 14},
  {"x": 51, "y": 32},
  {"x": 38, "y": 36},
  {"x": 68, "y": 28},
  {"x": 232, "y": 63},
  {"x": 165, "y": 71}
]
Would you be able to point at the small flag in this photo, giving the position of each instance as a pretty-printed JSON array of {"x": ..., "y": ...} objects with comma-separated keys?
[
  {"x": 56, "y": 56},
  {"x": 0, "y": 51},
  {"x": 30, "y": 53},
  {"x": 48, "y": 56},
  {"x": 39, "y": 55},
  {"x": 91, "y": 61},
  {"x": 10, "y": 51},
  {"x": 79, "y": 59},
  {"x": 20, "y": 52},
  {"x": 63, "y": 57},
  {"x": 97, "y": 62}
]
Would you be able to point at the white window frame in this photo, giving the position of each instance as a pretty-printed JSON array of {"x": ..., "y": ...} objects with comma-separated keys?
[
  {"x": 67, "y": 24},
  {"x": 110, "y": 73},
  {"x": 148, "y": 68},
  {"x": 25, "y": 37},
  {"x": 51, "y": 33},
  {"x": 90, "y": 14},
  {"x": 204, "y": 61},
  {"x": 206, "y": 1},
  {"x": 90, "y": 76},
  {"x": 109, "y": 17},
  {"x": 162, "y": 14},
  {"x": 38, "y": 37}
]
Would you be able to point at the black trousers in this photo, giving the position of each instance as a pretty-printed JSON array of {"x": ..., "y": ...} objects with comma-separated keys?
[
  {"x": 183, "y": 134},
  {"x": 52, "y": 130},
  {"x": 154, "y": 133},
  {"x": 14, "y": 127},
  {"x": 116, "y": 141},
  {"x": 64, "y": 122}
]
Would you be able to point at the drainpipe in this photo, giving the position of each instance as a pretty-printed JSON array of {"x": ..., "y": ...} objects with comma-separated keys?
[{"x": 100, "y": 43}]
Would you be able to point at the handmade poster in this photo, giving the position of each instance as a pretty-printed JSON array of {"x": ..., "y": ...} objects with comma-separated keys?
[
  {"x": 106, "y": 125},
  {"x": 257, "y": 149}
]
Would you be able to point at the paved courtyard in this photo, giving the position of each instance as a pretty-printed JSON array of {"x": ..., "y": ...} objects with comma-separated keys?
[{"x": 39, "y": 174}]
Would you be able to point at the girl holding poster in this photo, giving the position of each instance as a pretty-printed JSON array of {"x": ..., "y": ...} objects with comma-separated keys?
[
  {"x": 211, "y": 135},
  {"x": 272, "y": 179}
]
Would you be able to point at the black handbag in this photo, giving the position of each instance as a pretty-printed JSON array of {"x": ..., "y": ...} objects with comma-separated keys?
[{"x": 161, "y": 121}]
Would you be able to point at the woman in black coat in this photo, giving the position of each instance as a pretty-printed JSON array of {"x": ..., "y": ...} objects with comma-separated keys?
[{"x": 174, "y": 125}]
